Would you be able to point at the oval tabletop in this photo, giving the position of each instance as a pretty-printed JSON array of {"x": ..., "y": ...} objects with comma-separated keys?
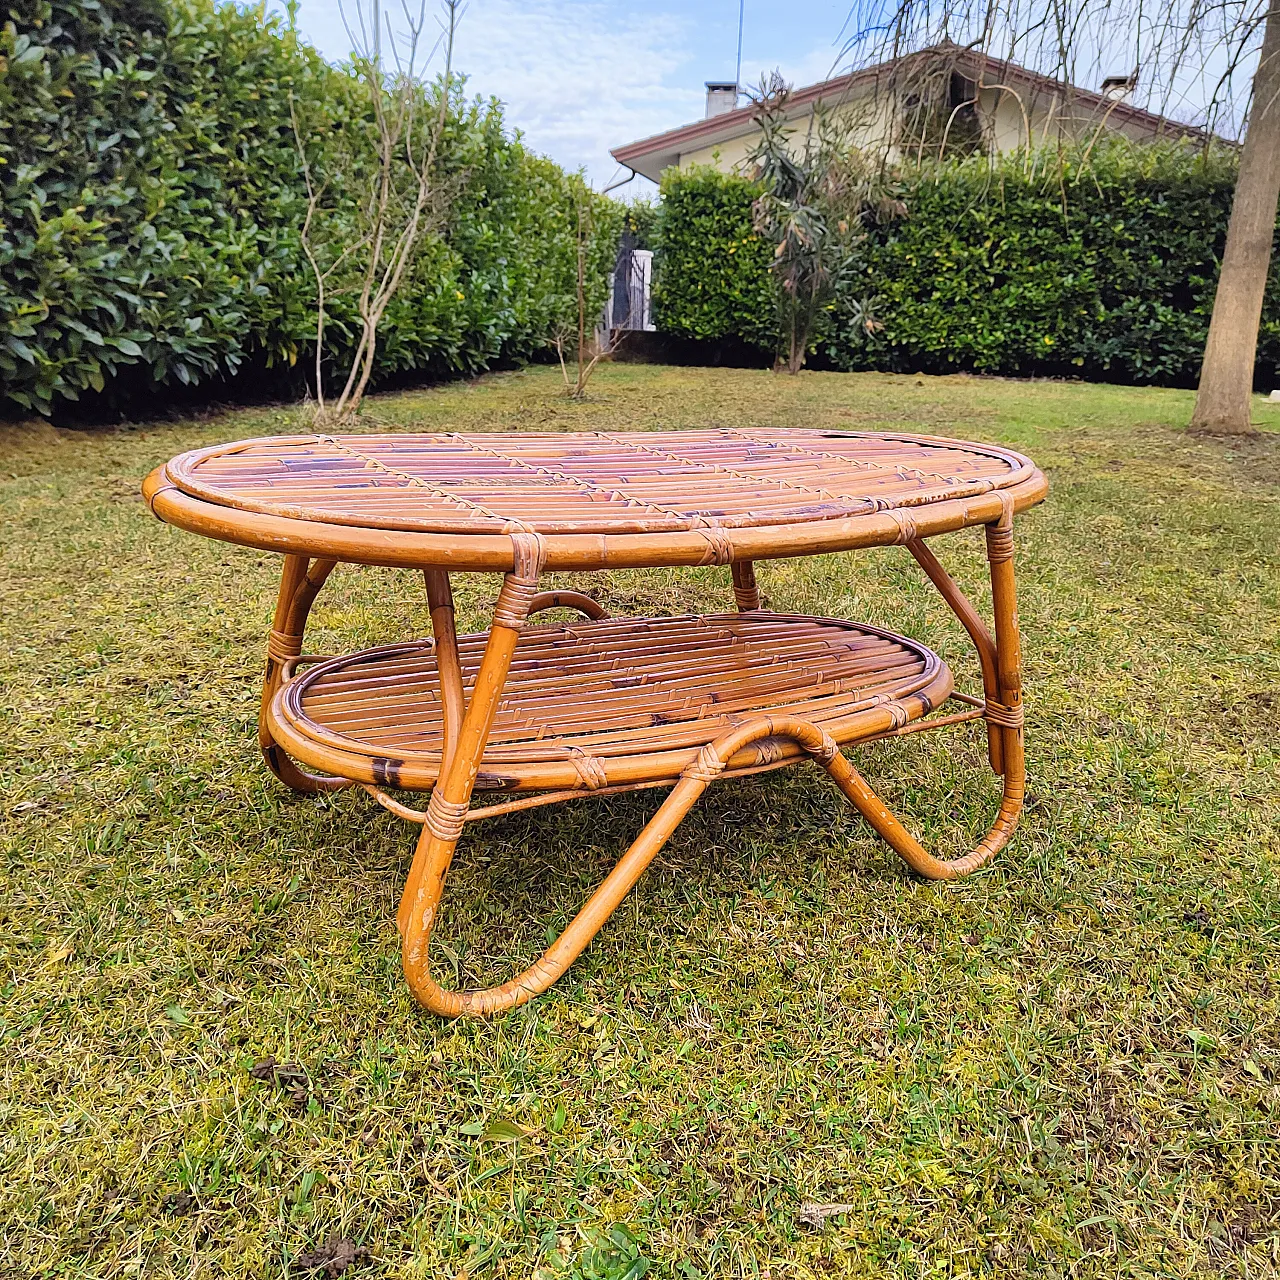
[{"x": 644, "y": 497}]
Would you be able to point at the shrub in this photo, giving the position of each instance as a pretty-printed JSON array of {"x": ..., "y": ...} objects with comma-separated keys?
[
  {"x": 151, "y": 198},
  {"x": 640, "y": 218},
  {"x": 146, "y": 187},
  {"x": 711, "y": 267},
  {"x": 1104, "y": 270}
]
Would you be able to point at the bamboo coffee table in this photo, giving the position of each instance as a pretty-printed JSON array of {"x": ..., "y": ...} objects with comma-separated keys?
[{"x": 541, "y": 713}]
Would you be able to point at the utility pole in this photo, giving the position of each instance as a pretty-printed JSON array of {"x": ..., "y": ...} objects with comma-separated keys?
[{"x": 737, "y": 74}]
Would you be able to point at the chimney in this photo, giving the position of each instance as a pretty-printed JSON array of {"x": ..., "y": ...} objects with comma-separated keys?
[
  {"x": 1117, "y": 88},
  {"x": 722, "y": 96}
]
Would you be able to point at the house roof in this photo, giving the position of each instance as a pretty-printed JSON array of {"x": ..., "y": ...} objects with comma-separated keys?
[{"x": 650, "y": 156}]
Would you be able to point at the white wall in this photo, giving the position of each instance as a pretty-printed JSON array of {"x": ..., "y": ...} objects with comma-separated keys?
[{"x": 1006, "y": 116}]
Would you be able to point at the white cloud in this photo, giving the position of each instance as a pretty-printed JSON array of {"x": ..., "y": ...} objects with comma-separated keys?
[{"x": 577, "y": 78}]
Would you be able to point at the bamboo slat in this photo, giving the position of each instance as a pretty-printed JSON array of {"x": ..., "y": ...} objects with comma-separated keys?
[{"x": 600, "y": 703}]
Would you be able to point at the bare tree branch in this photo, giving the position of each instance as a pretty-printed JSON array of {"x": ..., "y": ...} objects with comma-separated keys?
[{"x": 406, "y": 194}]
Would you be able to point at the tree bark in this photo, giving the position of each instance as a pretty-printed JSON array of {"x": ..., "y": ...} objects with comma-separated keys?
[{"x": 1224, "y": 399}]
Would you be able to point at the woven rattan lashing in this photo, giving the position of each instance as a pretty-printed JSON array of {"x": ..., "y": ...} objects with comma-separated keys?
[
  {"x": 601, "y": 703},
  {"x": 633, "y": 482},
  {"x": 536, "y": 713}
]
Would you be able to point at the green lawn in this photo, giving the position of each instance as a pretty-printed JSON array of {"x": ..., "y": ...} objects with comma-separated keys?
[{"x": 1067, "y": 1064}]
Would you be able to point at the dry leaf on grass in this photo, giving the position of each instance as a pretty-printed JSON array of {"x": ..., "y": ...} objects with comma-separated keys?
[{"x": 814, "y": 1216}]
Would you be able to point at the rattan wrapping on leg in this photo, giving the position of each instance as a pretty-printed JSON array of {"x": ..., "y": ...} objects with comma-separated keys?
[
  {"x": 719, "y": 546},
  {"x": 283, "y": 645},
  {"x": 1006, "y": 717},
  {"x": 1000, "y": 533},
  {"x": 999, "y": 544},
  {"x": 445, "y": 818},
  {"x": 530, "y": 554},
  {"x": 514, "y": 601},
  {"x": 706, "y": 768},
  {"x": 746, "y": 594}
]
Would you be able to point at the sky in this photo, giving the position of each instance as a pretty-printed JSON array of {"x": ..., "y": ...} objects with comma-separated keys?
[{"x": 581, "y": 76}]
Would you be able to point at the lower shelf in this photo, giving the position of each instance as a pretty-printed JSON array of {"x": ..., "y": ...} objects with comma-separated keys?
[{"x": 608, "y": 703}]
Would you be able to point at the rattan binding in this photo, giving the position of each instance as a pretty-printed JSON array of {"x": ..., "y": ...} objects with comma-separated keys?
[{"x": 595, "y": 704}]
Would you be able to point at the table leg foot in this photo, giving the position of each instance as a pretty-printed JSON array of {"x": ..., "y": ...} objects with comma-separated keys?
[{"x": 418, "y": 915}]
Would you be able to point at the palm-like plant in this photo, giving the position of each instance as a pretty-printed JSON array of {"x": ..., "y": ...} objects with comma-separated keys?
[{"x": 816, "y": 200}]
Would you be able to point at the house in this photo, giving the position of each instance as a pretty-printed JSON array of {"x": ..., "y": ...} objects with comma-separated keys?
[{"x": 942, "y": 99}]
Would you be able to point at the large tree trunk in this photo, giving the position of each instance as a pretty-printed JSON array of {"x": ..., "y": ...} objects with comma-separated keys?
[{"x": 1224, "y": 400}]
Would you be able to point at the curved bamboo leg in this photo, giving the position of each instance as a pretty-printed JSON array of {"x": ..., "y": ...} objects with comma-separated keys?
[
  {"x": 584, "y": 604},
  {"x": 1001, "y": 660},
  {"x": 746, "y": 594},
  {"x": 709, "y": 764},
  {"x": 300, "y": 583},
  {"x": 451, "y": 797}
]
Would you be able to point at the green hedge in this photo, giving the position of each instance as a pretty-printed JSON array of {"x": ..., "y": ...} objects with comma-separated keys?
[
  {"x": 151, "y": 196},
  {"x": 710, "y": 267},
  {"x": 1105, "y": 271}
]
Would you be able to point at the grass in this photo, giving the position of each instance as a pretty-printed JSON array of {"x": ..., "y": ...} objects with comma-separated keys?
[{"x": 1068, "y": 1064}]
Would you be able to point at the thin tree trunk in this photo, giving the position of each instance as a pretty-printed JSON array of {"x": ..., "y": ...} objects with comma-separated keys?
[
  {"x": 582, "y": 302},
  {"x": 796, "y": 345},
  {"x": 1224, "y": 400}
]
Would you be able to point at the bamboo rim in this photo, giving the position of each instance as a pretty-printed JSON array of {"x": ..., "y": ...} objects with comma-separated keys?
[
  {"x": 597, "y": 483},
  {"x": 568, "y": 552}
]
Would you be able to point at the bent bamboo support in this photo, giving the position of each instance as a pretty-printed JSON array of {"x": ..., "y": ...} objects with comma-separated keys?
[
  {"x": 584, "y": 604},
  {"x": 418, "y": 921},
  {"x": 467, "y": 731},
  {"x": 300, "y": 583},
  {"x": 446, "y": 814}
]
